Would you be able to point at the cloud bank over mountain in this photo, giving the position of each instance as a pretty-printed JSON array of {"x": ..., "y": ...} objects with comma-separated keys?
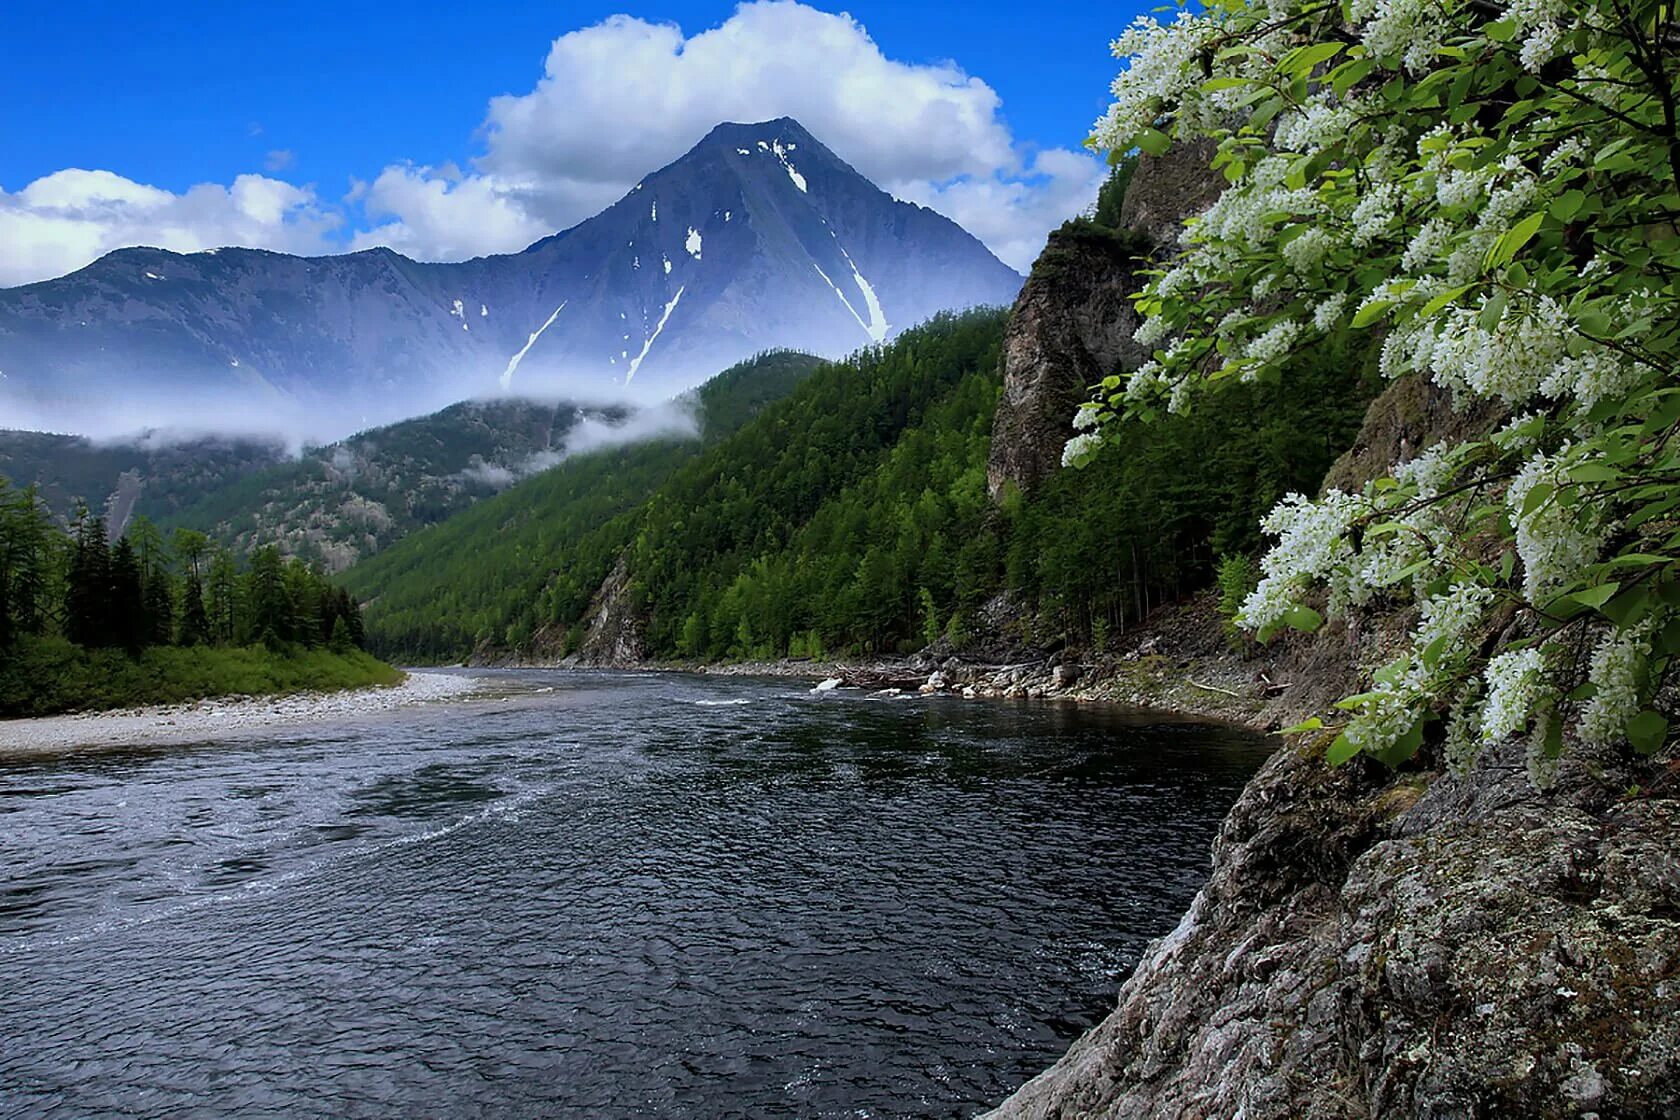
[{"x": 614, "y": 101}]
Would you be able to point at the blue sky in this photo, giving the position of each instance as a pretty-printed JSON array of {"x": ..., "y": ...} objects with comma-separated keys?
[{"x": 371, "y": 128}]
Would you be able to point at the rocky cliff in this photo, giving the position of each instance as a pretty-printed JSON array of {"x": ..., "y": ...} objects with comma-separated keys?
[{"x": 1072, "y": 323}]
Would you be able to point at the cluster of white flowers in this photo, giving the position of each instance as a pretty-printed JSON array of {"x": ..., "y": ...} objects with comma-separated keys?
[
  {"x": 1162, "y": 69},
  {"x": 1551, "y": 541},
  {"x": 1464, "y": 727},
  {"x": 1313, "y": 127},
  {"x": 1457, "y": 188},
  {"x": 1616, "y": 664},
  {"x": 1429, "y": 471},
  {"x": 1453, "y": 615},
  {"x": 1571, "y": 153},
  {"x": 1427, "y": 247},
  {"x": 1246, "y": 212},
  {"x": 1275, "y": 343},
  {"x": 1591, "y": 376},
  {"x": 1510, "y": 362},
  {"x": 1374, "y": 214},
  {"x": 1078, "y": 450},
  {"x": 1542, "y": 23},
  {"x": 1088, "y": 417},
  {"x": 1306, "y": 252},
  {"x": 1409, "y": 28},
  {"x": 1152, "y": 330},
  {"x": 1312, "y": 540},
  {"x": 1542, "y": 763},
  {"x": 1329, "y": 312},
  {"x": 1515, "y": 681}
]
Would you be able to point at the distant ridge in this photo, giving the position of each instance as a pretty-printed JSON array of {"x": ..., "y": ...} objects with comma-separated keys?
[{"x": 759, "y": 237}]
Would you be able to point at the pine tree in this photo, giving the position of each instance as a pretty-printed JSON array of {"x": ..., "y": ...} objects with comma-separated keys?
[
  {"x": 159, "y": 609},
  {"x": 195, "y": 624},
  {"x": 127, "y": 623},
  {"x": 87, "y": 605}
]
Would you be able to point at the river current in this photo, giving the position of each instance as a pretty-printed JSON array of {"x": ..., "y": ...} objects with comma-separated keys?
[{"x": 604, "y": 895}]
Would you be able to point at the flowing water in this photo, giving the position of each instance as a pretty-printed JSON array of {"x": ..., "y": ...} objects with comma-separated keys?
[{"x": 603, "y": 896}]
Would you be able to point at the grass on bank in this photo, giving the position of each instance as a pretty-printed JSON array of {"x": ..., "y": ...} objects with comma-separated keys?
[{"x": 47, "y": 675}]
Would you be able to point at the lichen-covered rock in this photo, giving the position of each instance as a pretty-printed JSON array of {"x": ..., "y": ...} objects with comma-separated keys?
[{"x": 1373, "y": 944}]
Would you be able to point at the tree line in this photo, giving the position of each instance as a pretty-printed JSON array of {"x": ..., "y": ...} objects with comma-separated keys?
[{"x": 143, "y": 590}]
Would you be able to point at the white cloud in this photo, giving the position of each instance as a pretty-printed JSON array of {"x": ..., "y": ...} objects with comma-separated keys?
[
  {"x": 70, "y": 218},
  {"x": 626, "y": 96},
  {"x": 1012, "y": 214},
  {"x": 278, "y": 160},
  {"x": 441, "y": 215}
]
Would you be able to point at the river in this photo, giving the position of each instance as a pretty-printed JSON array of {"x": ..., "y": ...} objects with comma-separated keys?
[{"x": 606, "y": 895}]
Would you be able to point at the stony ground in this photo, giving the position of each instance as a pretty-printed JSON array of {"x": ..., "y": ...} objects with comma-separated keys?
[{"x": 207, "y": 719}]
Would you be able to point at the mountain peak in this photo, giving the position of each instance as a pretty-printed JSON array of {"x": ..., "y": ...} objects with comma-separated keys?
[{"x": 778, "y": 128}]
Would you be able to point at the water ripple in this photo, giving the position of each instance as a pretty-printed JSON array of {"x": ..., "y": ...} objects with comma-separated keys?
[{"x": 610, "y": 896}]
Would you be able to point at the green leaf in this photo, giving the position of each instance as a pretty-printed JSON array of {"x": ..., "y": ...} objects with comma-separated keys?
[
  {"x": 1340, "y": 750},
  {"x": 1647, "y": 731},
  {"x": 1535, "y": 498},
  {"x": 1301, "y": 60},
  {"x": 1153, "y": 141},
  {"x": 1404, "y": 747},
  {"x": 1371, "y": 311},
  {"x": 1596, "y": 597},
  {"x": 1440, "y": 301},
  {"x": 1303, "y": 618},
  {"x": 1566, "y": 205},
  {"x": 1628, "y": 607},
  {"x": 1305, "y": 725}
]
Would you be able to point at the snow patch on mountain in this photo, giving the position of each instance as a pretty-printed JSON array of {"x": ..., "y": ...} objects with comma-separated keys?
[
  {"x": 781, "y": 154},
  {"x": 513, "y": 362},
  {"x": 636, "y": 362},
  {"x": 692, "y": 244},
  {"x": 877, "y": 326}
]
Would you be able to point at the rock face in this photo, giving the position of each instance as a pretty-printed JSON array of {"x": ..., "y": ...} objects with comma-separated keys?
[
  {"x": 1072, "y": 324},
  {"x": 1070, "y": 327},
  {"x": 1374, "y": 943},
  {"x": 758, "y": 238},
  {"x": 613, "y": 637}
]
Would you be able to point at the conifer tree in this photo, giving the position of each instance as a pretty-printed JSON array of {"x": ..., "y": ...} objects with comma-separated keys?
[
  {"x": 195, "y": 624},
  {"x": 87, "y": 606},
  {"x": 126, "y": 623}
]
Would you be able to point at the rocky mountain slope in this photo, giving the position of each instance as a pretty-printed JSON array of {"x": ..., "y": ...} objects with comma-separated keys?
[
  {"x": 331, "y": 504},
  {"x": 758, "y": 237}
]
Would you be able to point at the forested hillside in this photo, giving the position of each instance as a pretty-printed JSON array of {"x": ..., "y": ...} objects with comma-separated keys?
[
  {"x": 495, "y": 572},
  {"x": 853, "y": 517}
]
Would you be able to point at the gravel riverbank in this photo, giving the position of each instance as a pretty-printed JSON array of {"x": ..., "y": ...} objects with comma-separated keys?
[{"x": 218, "y": 718}]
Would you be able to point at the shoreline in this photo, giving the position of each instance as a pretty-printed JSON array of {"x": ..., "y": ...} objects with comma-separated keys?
[{"x": 222, "y": 717}]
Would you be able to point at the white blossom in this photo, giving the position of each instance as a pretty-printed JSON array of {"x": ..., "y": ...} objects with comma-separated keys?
[
  {"x": 1514, "y": 682},
  {"x": 1553, "y": 544},
  {"x": 1306, "y": 252},
  {"x": 1428, "y": 245},
  {"x": 1275, "y": 343},
  {"x": 1428, "y": 471},
  {"x": 1329, "y": 312},
  {"x": 1078, "y": 450},
  {"x": 1616, "y": 663}
]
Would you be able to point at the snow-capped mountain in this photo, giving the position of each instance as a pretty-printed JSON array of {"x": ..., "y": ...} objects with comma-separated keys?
[{"x": 758, "y": 237}]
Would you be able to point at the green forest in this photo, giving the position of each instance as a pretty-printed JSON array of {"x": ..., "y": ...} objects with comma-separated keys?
[
  {"x": 90, "y": 623},
  {"x": 852, "y": 517}
]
